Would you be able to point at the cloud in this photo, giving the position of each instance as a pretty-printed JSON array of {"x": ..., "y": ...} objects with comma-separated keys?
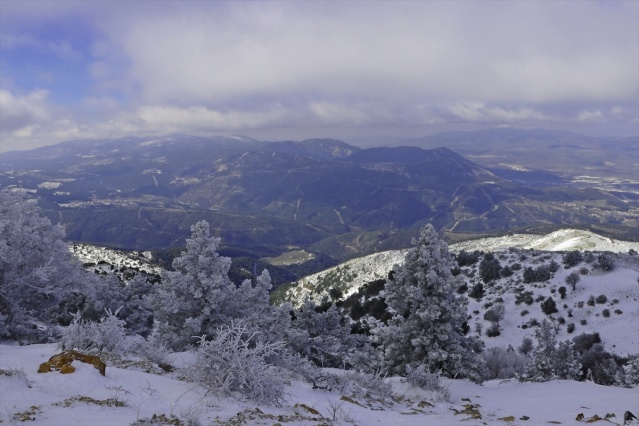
[
  {"x": 199, "y": 118},
  {"x": 478, "y": 112},
  {"x": 503, "y": 52},
  {"x": 18, "y": 113},
  {"x": 321, "y": 66}
]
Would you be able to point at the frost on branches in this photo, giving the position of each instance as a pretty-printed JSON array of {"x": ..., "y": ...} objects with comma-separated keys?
[
  {"x": 428, "y": 320},
  {"x": 234, "y": 363},
  {"x": 551, "y": 361},
  {"x": 194, "y": 299},
  {"x": 37, "y": 271},
  {"x": 198, "y": 298}
]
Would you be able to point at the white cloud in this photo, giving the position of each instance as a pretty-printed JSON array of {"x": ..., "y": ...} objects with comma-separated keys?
[
  {"x": 497, "y": 51},
  {"x": 198, "y": 118},
  {"x": 590, "y": 116},
  {"x": 17, "y": 113},
  {"x": 478, "y": 112}
]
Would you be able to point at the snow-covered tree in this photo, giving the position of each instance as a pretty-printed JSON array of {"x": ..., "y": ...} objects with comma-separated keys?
[
  {"x": 197, "y": 297},
  {"x": 130, "y": 299},
  {"x": 324, "y": 339},
  {"x": 629, "y": 375},
  {"x": 551, "y": 361},
  {"x": 541, "y": 367},
  {"x": 429, "y": 317},
  {"x": 566, "y": 365},
  {"x": 503, "y": 363},
  {"x": 37, "y": 270}
]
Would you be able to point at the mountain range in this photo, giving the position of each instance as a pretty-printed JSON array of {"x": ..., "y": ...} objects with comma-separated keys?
[{"x": 323, "y": 196}]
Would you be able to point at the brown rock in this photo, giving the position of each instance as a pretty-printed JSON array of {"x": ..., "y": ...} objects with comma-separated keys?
[{"x": 62, "y": 362}]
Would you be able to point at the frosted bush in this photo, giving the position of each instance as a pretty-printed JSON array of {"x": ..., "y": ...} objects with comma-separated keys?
[
  {"x": 421, "y": 377},
  {"x": 628, "y": 376},
  {"x": 504, "y": 363},
  {"x": 301, "y": 366},
  {"x": 153, "y": 349},
  {"x": 233, "y": 363},
  {"x": 108, "y": 335},
  {"x": 369, "y": 385}
]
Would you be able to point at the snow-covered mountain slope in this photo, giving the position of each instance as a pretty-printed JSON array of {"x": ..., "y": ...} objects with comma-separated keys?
[
  {"x": 562, "y": 240},
  {"x": 351, "y": 275},
  {"x": 105, "y": 259},
  {"x": 615, "y": 316},
  {"x": 606, "y": 302},
  {"x": 347, "y": 277},
  {"x": 128, "y": 395}
]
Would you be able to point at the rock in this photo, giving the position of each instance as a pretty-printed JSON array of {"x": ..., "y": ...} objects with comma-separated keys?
[
  {"x": 580, "y": 417},
  {"x": 62, "y": 362},
  {"x": 309, "y": 409},
  {"x": 628, "y": 417},
  {"x": 166, "y": 367}
]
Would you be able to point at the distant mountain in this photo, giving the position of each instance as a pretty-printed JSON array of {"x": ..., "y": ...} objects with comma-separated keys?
[
  {"x": 322, "y": 195},
  {"x": 318, "y": 149},
  {"x": 562, "y": 153}
]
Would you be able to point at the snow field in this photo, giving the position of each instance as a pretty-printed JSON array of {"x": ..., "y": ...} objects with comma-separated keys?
[{"x": 85, "y": 397}]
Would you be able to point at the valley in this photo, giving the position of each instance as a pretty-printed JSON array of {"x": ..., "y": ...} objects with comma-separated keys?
[{"x": 331, "y": 199}]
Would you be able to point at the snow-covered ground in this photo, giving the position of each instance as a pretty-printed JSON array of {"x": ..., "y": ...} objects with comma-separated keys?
[
  {"x": 349, "y": 276},
  {"x": 562, "y": 240},
  {"x": 125, "y": 396},
  {"x": 619, "y": 331},
  {"x": 103, "y": 258}
]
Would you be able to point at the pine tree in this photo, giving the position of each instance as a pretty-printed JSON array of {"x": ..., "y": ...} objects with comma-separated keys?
[
  {"x": 566, "y": 366},
  {"x": 551, "y": 360},
  {"x": 427, "y": 326},
  {"x": 542, "y": 365},
  {"x": 197, "y": 297}
]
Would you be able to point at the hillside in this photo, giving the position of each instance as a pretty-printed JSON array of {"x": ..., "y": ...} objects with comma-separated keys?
[
  {"x": 351, "y": 275},
  {"x": 619, "y": 286}
]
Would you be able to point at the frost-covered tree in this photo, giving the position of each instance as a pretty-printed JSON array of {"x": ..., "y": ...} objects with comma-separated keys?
[
  {"x": 37, "y": 270},
  {"x": 629, "y": 375},
  {"x": 572, "y": 258},
  {"x": 489, "y": 268},
  {"x": 196, "y": 298},
  {"x": 325, "y": 339},
  {"x": 566, "y": 365},
  {"x": 429, "y": 317},
  {"x": 496, "y": 313},
  {"x": 552, "y": 361},
  {"x": 541, "y": 366}
]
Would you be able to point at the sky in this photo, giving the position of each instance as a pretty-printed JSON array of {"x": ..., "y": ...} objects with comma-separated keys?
[{"x": 354, "y": 70}]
